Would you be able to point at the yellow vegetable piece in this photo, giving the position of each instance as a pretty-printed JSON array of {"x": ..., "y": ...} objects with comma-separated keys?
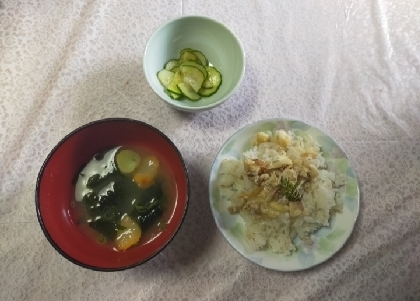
[
  {"x": 127, "y": 160},
  {"x": 147, "y": 171},
  {"x": 129, "y": 236},
  {"x": 279, "y": 207}
]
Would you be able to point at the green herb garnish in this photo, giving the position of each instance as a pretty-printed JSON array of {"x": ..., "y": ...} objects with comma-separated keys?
[{"x": 290, "y": 190}]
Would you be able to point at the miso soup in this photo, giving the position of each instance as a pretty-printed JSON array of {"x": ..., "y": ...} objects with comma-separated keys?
[{"x": 124, "y": 197}]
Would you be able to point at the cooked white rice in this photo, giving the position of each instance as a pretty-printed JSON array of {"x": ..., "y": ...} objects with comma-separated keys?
[{"x": 251, "y": 185}]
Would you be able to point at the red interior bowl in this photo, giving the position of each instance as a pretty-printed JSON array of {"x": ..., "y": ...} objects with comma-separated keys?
[{"x": 55, "y": 191}]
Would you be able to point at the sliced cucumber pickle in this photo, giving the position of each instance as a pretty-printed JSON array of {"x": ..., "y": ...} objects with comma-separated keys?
[
  {"x": 188, "y": 91},
  {"x": 174, "y": 95},
  {"x": 201, "y": 57},
  {"x": 165, "y": 77},
  {"x": 193, "y": 76},
  {"x": 173, "y": 85},
  {"x": 186, "y": 49},
  {"x": 171, "y": 64},
  {"x": 195, "y": 65},
  {"x": 127, "y": 160},
  {"x": 188, "y": 56},
  {"x": 212, "y": 83},
  {"x": 190, "y": 76}
]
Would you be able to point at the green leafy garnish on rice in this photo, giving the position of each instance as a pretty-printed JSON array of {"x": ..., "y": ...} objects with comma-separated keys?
[{"x": 290, "y": 190}]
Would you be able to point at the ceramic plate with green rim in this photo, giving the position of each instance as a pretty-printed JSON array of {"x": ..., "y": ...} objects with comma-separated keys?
[{"x": 327, "y": 240}]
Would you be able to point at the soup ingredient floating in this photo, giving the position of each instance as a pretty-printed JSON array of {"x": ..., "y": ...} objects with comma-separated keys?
[
  {"x": 122, "y": 196},
  {"x": 190, "y": 75},
  {"x": 282, "y": 189}
]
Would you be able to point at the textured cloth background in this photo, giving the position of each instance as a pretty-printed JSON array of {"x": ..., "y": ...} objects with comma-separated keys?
[{"x": 351, "y": 68}]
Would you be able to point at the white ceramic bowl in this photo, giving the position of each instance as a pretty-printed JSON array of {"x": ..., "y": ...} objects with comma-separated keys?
[{"x": 221, "y": 47}]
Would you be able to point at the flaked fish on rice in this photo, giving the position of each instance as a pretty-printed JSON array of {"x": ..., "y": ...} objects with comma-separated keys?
[{"x": 282, "y": 189}]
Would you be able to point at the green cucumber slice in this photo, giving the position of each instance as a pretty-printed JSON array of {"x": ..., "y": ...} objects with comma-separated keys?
[
  {"x": 188, "y": 56},
  {"x": 127, "y": 160},
  {"x": 214, "y": 76},
  {"x": 188, "y": 91},
  {"x": 165, "y": 77},
  {"x": 214, "y": 79},
  {"x": 173, "y": 85},
  {"x": 206, "y": 92},
  {"x": 174, "y": 95},
  {"x": 207, "y": 84},
  {"x": 196, "y": 65},
  {"x": 185, "y": 49},
  {"x": 171, "y": 64},
  {"x": 175, "y": 69},
  {"x": 201, "y": 57},
  {"x": 193, "y": 76}
]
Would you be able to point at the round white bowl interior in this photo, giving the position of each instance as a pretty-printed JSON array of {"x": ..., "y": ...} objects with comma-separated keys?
[{"x": 221, "y": 47}]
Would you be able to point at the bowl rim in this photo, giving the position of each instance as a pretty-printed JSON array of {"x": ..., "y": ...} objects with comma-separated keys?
[
  {"x": 41, "y": 173},
  {"x": 178, "y": 105}
]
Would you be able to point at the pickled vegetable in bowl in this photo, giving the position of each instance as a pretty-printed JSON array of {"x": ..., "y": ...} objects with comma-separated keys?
[
  {"x": 191, "y": 76},
  {"x": 194, "y": 63}
]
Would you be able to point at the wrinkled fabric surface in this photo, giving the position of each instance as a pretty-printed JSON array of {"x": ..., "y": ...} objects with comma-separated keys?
[{"x": 351, "y": 68}]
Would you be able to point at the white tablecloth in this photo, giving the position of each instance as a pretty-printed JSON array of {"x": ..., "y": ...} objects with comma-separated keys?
[{"x": 351, "y": 68}]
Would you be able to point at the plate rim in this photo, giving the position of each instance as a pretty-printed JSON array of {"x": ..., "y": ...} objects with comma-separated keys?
[{"x": 213, "y": 210}]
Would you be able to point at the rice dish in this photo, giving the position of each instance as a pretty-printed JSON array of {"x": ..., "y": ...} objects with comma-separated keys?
[{"x": 282, "y": 189}]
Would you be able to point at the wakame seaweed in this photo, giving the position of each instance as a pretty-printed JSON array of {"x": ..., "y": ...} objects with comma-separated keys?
[
  {"x": 150, "y": 207},
  {"x": 147, "y": 218},
  {"x": 114, "y": 195},
  {"x": 106, "y": 228}
]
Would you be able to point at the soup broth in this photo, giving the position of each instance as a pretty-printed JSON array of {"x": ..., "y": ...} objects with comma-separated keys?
[{"x": 124, "y": 197}]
